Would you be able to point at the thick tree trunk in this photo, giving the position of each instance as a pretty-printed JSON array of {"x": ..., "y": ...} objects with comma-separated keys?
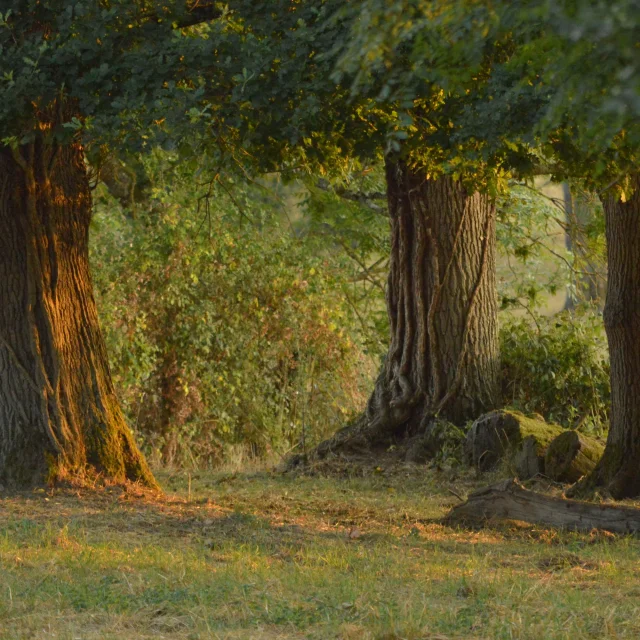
[
  {"x": 619, "y": 468},
  {"x": 442, "y": 304},
  {"x": 59, "y": 415}
]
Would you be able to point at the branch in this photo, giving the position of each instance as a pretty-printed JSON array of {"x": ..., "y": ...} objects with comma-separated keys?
[
  {"x": 509, "y": 500},
  {"x": 367, "y": 272},
  {"x": 197, "y": 13},
  {"x": 200, "y": 12},
  {"x": 365, "y": 199}
]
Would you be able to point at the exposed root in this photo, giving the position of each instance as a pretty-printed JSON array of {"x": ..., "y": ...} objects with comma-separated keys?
[{"x": 618, "y": 485}]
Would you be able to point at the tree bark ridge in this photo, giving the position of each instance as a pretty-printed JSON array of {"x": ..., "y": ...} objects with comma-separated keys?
[
  {"x": 442, "y": 305},
  {"x": 58, "y": 410}
]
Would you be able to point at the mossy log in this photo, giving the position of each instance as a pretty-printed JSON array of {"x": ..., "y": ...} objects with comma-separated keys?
[
  {"x": 509, "y": 500},
  {"x": 510, "y": 434},
  {"x": 571, "y": 455}
]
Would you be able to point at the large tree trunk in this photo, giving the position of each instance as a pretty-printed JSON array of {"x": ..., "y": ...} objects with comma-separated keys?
[
  {"x": 59, "y": 415},
  {"x": 619, "y": 468},
  {"x": 442, "y": 304}
]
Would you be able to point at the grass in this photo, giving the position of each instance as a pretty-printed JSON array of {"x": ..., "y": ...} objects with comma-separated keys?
[{"x": 260, "y": 555}]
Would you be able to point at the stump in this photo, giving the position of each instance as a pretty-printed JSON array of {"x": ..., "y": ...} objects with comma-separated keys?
[
  {"x": 501, "y": 434},
  {"x": 571, "y": 455}
]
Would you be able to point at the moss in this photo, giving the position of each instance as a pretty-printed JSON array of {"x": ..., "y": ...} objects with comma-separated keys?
[
  {"x": 509, "y": 434},
  {"x": 543, "y": 432},
  {"x": 571, "y": 456}
]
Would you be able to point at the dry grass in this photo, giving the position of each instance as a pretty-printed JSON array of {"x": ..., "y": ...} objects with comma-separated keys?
[{"x": 354, "y": 556}]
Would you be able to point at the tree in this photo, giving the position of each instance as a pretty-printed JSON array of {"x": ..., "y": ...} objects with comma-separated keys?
[
  {"x": 442, "y": 305},
  {"x": 74, "y": 74},
  {"x": 585, "y": 241},
  {"x": 618, "y": 470},
  {"x": 587, "y": 58},
  {"x": 443, "y": 356},
  {"x": 566, "y": 98}
]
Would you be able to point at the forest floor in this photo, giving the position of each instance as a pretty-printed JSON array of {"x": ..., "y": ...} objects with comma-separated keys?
[{"x": 266, "y": 556}]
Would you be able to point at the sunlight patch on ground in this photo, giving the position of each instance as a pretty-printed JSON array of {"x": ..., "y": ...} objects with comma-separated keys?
[{"x": 263, "y": 555}]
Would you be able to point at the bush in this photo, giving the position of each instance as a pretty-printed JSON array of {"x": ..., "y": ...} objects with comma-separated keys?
[
  {"x": 558, "y": 367},
  {"x": 223, "y": 327}
]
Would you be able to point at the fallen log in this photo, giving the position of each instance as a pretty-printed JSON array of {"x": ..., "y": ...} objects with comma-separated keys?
[
  {"x": 509, "y": 500},
  {"x": 509, "y": 434},
  {"x": 572, "y": 455}
]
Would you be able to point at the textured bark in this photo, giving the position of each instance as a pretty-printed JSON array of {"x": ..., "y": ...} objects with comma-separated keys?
[
  {"x": 509, "y": 500},
  {"x": 571, "y": 456},
  {"x": 58, "y": 411},
  {"x": 442, "y": 305},
  {"x": 619, "y": 468}
]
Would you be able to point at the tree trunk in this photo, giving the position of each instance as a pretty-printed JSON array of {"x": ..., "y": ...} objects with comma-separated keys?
[
  {"x": 59, "y": 415},
  {"x": 442, "y": 304},
  {"x": 619, "y": 469}
]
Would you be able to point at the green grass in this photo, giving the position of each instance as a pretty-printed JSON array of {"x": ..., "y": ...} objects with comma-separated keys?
[{"x": 258, "y": 555}]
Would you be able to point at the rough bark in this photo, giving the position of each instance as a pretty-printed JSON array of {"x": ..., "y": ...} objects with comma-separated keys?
[
  {"x": 512, "y": 436},
  {"x": 509, "y": 500},
  {"x": 443, "y": 356},
  {"x": 59, "y": 414},
  {"x": 571, "y": 456},
  {"x": 619, "y": 469}
]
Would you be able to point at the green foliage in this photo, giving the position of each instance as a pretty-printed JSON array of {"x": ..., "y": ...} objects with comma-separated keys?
[
  {"x": 530, "y": 264},
  {"x": 247, "y": 76},
  {"x": 593, "y": 67},
  {"x": 224, "y": 327},
  {"x": 558, "y": 367},
  {"x": 522, "y": 84},
  {"x": 351, "y": 216},
  {"x": 112, "y": 71}
]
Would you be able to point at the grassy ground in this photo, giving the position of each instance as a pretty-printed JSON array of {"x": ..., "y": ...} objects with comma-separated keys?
[{"x": 264, "y": 556}]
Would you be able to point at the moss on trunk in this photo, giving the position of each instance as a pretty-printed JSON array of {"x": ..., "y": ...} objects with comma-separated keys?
[{"x": 59, "y": 415}]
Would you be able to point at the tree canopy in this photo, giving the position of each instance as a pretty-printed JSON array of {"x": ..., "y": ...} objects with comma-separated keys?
[
  {"x": 121, "y": 73},
  {"x": 552, "y": 81}
]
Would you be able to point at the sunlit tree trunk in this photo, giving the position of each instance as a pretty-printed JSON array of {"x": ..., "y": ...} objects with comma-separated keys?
[
  {"x": 442, "y": 304},
  {"x": 59, "y": 415}
]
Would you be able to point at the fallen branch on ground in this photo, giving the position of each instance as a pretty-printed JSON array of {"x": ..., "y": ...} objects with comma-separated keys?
[{"x": 509, "y": 500}]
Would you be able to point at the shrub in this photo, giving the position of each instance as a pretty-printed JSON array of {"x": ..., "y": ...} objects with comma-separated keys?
[
  {"x": 224, "y": 327},
  {"x": 558, "y": 367}
]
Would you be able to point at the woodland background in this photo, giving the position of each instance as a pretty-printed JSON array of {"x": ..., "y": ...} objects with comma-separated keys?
[{"x": 246, "y": 319}]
